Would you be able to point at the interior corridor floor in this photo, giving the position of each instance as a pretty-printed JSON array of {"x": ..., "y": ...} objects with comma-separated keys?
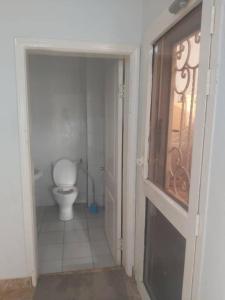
[
  {"x": 101, "y": 284},
  {"x": 73, "y": 245},
  {"x": 108, "y": 284}
]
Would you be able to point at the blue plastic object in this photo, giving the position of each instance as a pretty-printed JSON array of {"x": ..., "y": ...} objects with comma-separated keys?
[{"x": 93, "y": 208}]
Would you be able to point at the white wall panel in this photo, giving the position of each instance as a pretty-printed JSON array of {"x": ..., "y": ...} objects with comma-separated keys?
[
  {"x": 58, "y": 118},
  {"x": 95, "y": 73}
]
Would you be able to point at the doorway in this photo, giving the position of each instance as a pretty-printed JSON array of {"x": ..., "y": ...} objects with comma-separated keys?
[
  {"x": 76, "y": 115},
  {"x": 131, "y": 57}
]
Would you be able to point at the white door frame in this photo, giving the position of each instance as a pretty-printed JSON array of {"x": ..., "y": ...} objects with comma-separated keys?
[
  {"x": 69, "y": 47},
  {"x": 162, "y": 25}
]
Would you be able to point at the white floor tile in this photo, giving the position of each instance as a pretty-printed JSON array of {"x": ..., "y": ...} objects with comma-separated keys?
[
  {"x": 76, "y": 224},
  {"x": 54, "y": 237},
  {"x": 53, "y": 266},
  {"x": 96, "y": 223},
  {"x": 73, "y": 245},
  {"x": 50, "y": 252},
  {"x": 52, "y": 226},
  {"x": 97, "y": 234},
  {"x": 76, "y": 250},
  {"x": 40, "y": 213},
  {"x": 102, "y": 261},
  {"x": 51, "y": 218},
  {"x": 76, "y": 236},
  {"x": 80, "y": 208},
  {"x": 98, "y": 215},
  {"x": 51, "y": 214},
  {"x": 77, "y": 264},
  {"x": 79, "y": 215},
  {"x": 51, "y": 208},
  {"x": 100, "y": 248}
]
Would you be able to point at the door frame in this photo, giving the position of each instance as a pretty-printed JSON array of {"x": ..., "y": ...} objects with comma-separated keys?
[
  {"x": 131, "y": 53},
  {"x": 114, "y": 177},
  {"x": 165, "y": 21}
]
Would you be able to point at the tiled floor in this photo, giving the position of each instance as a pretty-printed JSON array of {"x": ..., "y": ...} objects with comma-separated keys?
[
  {"x": 107, "y": 284},
  {"x": 74, "y": 245}
]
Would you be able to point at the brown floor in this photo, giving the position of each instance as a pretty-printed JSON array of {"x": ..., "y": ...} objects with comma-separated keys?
[
  {"x": 17, "y": 294},
  {"x": 106, "y": 284}
]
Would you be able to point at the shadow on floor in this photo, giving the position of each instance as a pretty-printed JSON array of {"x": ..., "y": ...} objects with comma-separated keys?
[{"x": 105, "y": 284}]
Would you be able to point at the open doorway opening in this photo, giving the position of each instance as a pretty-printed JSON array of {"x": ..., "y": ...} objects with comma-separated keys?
[
  {"x": 76, "y": 129},
  {"x": 130, "y": 55}
]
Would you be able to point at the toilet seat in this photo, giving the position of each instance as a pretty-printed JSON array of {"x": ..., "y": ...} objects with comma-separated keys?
[
  {"x": 65, "y": 192},
  {"x": 65, "y": 174},
  {"x": 59, "y": 190}
]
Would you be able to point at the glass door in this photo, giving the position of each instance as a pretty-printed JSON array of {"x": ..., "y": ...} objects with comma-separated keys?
[
  {"x": 173, "y": 149},
  {"x": 174, "y": 99}
]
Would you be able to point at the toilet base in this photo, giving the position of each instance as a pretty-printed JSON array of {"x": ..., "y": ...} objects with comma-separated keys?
[
  {"x": 65, "y": 201},
  {"x": 66, "y": 213}
]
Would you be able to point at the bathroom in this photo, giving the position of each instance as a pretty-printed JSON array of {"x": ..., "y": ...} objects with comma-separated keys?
[{"x": 68, "y": 130}]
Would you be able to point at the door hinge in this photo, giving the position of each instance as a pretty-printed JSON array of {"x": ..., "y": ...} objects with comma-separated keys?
[
  {"x": 140, "y": 161},
  {"x": 213, "y": 15},
  {"x": 197, "y": 225},
  {"x": 121, "y": 244},
  {"x": 208, "y": 82},
  {"x": 151, "y": 50},
  {"x": 122, "y": 91}
]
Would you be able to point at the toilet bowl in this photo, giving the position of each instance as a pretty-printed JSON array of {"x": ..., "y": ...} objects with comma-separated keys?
[{"x": 65, "y": 192}]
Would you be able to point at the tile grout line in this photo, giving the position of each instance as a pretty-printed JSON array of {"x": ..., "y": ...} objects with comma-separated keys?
[
  {"x": 39, "y": 232},
  {"x": 89, "y": 239},
  {"x": 63, "y": 245},
  {"x": 81, "y": 214},
  {"x": 41, "y": 222}
]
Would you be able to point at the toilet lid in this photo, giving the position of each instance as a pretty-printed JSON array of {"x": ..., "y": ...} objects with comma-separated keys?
[{"x": 64, "y": 173}]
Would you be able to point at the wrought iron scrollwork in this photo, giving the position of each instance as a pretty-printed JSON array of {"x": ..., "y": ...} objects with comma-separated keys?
[{"x": 183, "y": 96}]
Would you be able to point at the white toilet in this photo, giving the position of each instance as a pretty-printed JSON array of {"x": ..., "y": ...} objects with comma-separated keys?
[{"x": 65, "y": 192}]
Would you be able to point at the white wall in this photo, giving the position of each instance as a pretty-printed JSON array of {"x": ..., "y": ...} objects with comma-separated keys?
[
  {"x": 58, "y": 118},
  {"x": 95, "y": 127},
  {"x": 67, "y": 120},
  {"x": 82, "y": 20},
  {"x": 152, "y": 10}
]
